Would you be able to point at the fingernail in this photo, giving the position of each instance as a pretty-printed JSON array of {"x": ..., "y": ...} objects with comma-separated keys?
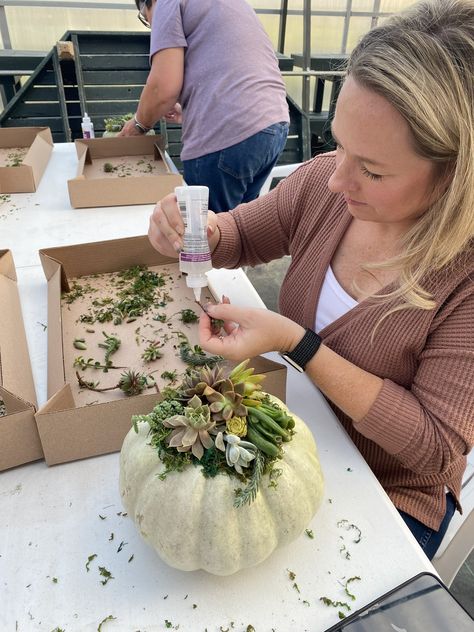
[
  {"x": 177, "y": 246},
  {"x": 210, "y": 230}
]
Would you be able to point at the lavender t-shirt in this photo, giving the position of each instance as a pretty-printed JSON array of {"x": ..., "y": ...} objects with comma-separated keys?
[{"x": 232, "y": 85}]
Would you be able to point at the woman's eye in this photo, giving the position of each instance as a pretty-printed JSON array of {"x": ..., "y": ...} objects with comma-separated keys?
[{"x": 369, "y": 174}]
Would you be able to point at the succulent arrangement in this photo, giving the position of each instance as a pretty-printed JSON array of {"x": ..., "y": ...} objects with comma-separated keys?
[
  {"x": 220, "y": 473},
  {"x": 116, "y": 123},
  {"x": 222, "y": 422}
]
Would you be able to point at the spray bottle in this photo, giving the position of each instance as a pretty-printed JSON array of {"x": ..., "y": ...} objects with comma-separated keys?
[
  {"x": 87, "y": 127},
  {"x": 195, "y": 258}
]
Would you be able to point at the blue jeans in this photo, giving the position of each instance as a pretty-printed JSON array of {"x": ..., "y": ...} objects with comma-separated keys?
[
  {"x": 236, "y": 174},
  {"x": 428, "y": 539}
]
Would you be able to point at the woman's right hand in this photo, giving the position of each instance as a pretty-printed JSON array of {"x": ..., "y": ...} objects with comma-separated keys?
[{"x": 166, "y": 227}]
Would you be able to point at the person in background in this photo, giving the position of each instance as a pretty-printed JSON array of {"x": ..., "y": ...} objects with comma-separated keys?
[
  {"x": 213, "y": 68},
  {"x": 378, "y": 303}
]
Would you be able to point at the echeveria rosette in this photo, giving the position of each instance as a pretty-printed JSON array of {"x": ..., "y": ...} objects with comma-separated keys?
[
  {"x": 225, "y": 403},
  {"x": 236, "y": 426},
  {"x": 191, "y": 430}
]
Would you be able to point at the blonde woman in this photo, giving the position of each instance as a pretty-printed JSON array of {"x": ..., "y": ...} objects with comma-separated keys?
[{"x": 378, "y": 303}]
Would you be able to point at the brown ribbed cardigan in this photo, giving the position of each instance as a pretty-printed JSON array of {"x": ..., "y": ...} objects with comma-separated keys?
[{"x": 420, "y": 428}]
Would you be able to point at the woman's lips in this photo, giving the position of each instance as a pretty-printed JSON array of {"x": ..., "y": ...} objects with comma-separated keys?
[{"x": 354, "y": 202}]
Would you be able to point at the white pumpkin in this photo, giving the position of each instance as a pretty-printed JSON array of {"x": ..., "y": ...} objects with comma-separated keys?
[{"x": 190, "y": 520}]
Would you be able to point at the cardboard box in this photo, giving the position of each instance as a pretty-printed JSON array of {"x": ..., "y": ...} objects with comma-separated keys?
[
  {"x": 139, "y": 175},
  {"x": 19, "y": 439},
  {"x": 71, "y": 427},
  {"x": 25, "y": 177}
]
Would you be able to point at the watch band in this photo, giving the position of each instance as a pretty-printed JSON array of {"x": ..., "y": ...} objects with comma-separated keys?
[
  {"x": 141, "y": 128},
  {"x": 304, "y": 350}
]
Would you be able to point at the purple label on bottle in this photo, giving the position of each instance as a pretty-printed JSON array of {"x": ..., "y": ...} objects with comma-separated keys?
[{"x": 193, "y": 257}]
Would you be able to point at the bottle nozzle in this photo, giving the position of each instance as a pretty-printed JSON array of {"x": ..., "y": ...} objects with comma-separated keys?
[{"x": 197, "y": 293}]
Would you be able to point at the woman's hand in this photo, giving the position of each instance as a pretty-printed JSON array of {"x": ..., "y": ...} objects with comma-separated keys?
[
  {"x": 175, "y": 115},
  {"x": 166, "y": 228},
  {"x": 129, "y": 129},
  {"x": 250, "y": 332}
]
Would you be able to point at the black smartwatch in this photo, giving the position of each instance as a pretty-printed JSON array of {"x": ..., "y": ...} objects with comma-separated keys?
[
  {"x": 141, "y": 128},
  {"x": 304, "y": 350}
]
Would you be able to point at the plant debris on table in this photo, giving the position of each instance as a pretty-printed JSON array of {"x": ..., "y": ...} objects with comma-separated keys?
[{"x": 141, "y": 296}]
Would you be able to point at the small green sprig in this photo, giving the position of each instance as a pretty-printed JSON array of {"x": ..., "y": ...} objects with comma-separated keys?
[
  {"x": 107, "y": 575},
  {"x": 111, "y": 345},
  {"x": 249, "y": 493},
  {"x": 109, "y": 618},
  {"x": 345, "y": 524},
  {"x": 76, "y": 291},
  {"x": 188, "y": 316},
  {"x": 152, "y": 352},
  {"x": 172, "y": 376},
  {"x": 81, "y": 363},
  {"x": 335, "y": 604},
  {"x": 346, "y": 589}
]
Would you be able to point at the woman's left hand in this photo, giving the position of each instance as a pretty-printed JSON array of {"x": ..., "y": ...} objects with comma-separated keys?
[
  {"x": 129, "y": 129},
  {"x": 250, "y": 332}
]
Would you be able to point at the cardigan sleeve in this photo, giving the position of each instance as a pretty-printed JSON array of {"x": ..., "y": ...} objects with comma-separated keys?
[
  {"x": 263, "y": 230},
  {"x": 430, "y": 425}
]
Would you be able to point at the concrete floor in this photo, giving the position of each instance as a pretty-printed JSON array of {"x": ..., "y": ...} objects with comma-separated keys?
[{"x": 267, "y": 280}]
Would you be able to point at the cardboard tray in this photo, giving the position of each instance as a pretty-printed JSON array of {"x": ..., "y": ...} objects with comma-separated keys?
[
  {"x": 69, "y": 430},
  {"x": 19, "y": 439},
  {"x": 26, "y": 177},
  {"x": 92, "y": 188}
]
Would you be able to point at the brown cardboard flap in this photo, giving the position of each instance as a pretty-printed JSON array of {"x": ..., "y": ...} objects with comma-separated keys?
[
  {"x": 119, "y": 145},
  {"x": 15, "y": 373},
  {"x": 275, "y": 379},
  {"x": 18, "y": 136},
  {"x": 20, "y": 442},
  {"x": 100, "y": 257},
  {"x": 17, "y": 179},
  {"x": 56, "y": 375},
  {"x": 7, "y": 265},
  {"x": 25, "y": 178},
  {"x": 62, "y": 400},
  {"x": 39, "y": 154},
  {"x": 90, "y": 431},
  {"x": 13, "y": 403}
]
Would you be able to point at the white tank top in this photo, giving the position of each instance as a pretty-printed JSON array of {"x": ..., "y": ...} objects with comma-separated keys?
[{"x": 334, "y": 301}]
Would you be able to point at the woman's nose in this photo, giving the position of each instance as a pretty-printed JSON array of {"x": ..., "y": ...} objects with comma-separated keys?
[{"x": 342, "y": 178}]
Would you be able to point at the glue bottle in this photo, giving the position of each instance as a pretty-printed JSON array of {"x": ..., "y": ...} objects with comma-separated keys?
[
  {"x": 195, "y": 258},
  {"x": 87, "y": 127}
]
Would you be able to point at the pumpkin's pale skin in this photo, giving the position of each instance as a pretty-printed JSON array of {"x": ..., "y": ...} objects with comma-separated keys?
[{"x": 190, "y": 520}]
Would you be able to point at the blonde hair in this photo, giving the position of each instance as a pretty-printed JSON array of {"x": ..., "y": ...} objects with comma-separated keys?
[{"x": 422, "y": 62}]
